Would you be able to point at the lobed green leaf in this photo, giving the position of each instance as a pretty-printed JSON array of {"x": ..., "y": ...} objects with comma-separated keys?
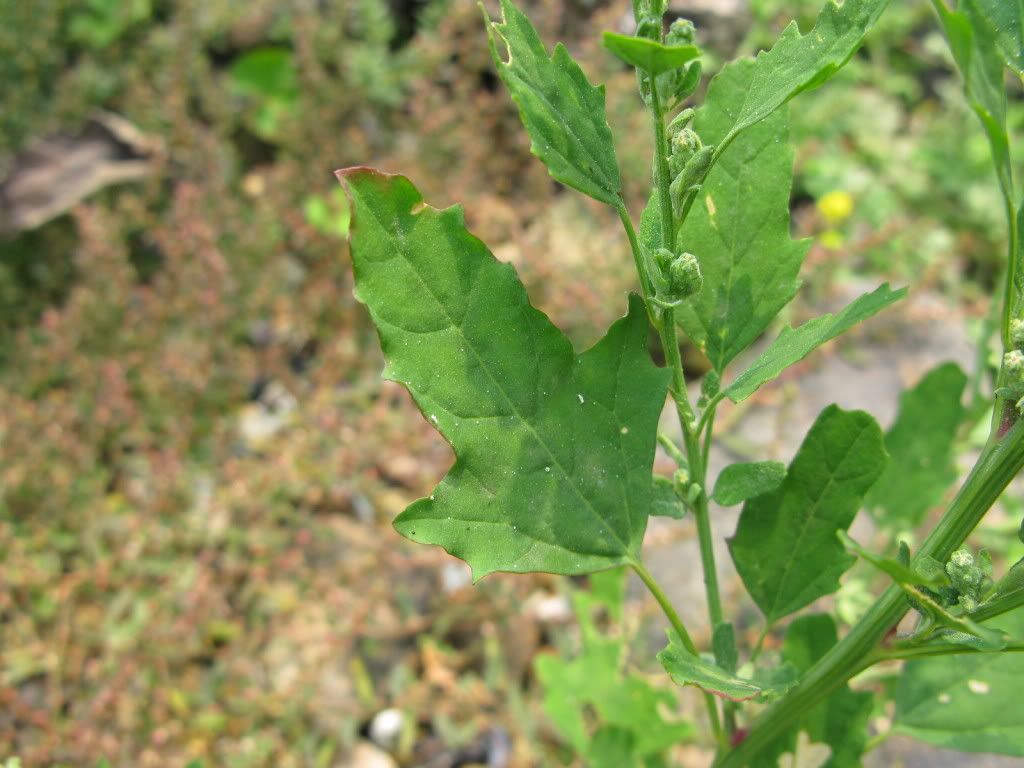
[
  {"x": 798, "y": 63},
  {"x": 649, "y": 55},
  {"x": 920, "y": 445},
  {"x": 554, "y": 451},
  {"x": 563, "y": 113},
  {"x": 785, "y": 547},
  {"x": 794, "y": 344}
]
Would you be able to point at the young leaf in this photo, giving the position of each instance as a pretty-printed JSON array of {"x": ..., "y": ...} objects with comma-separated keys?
[
  {"x": 785, "y": 547},
  {"x": 798, "y": 63},
  {"x": 563, "y": 113},
  {"x": 900, "y": 573},
  {"x": 554, "y": 451},
  {"x": 794, "y": 344},
  {"x": 969, "y": 702},
  {"x": 665, "y": 502},
  {"x": 739, "y": 482},
  {"x": 687, "y": 669},
  {"x": 649, "y": 55},
  {"x": 841, "y": 720},
  {"x": 739, "y": 226},
  {"x": 920, "y": 447}
]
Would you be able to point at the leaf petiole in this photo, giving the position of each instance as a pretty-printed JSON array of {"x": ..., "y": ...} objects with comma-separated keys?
[{"x": 677, "y": 624}]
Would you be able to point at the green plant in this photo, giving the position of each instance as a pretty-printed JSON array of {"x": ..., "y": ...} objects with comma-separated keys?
[{"x": 554, "y": 450}]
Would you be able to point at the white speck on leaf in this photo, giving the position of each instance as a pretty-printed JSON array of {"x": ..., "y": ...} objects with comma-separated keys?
[
  {"x": 547, "y": 469},
  {"x": 978, "y": 686},
  {"x": 945, "y": 698},
  {"x": 624, "y": 431},
  {"x": 580, "y": 397}
]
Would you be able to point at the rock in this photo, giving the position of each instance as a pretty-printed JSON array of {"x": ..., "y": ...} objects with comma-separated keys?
[
  {"x": 386, "y": 728},
  {"x": 366, "y": 755},
  {"x": 455, "y": 575}
]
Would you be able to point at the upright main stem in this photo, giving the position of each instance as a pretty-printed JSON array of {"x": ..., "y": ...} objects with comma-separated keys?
[{"x": 670, "y": 343}]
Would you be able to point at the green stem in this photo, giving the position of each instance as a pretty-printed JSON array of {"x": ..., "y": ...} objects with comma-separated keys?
[
  {"x": 998, "y": 464},
  {"x": 680, "y": 629},
  {"x": 672, "y": 450},
  {"x": 666, "y": 606},
  {"x": 709, "y": 412},
  {"x": 687, "y": 422},
  {"x": 663, "y": 174},
  {"x": 907, "y": 653},
  {"x": 1010, "y": 298},
  {"x": 638, "y": 256}
]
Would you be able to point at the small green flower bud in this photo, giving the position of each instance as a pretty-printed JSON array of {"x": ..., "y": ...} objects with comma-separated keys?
[
  {"x": 687, "y": 81},
  {"x": 690, "y": 177},
  {"x": 1013, "y": 362},
  {"x": 965, "y": 575},
  {"x": 1017, "y": 332},
  {"x": 663, "y": 257},
  {"x": 968, "y": 603},
  {"x": 684, "y": 277},
  {"x": 680, "y": 121},
  {"x": 682, "y": 32},
  {"x": 685, "y": 144},
  {"x": 693, "y": 494}
]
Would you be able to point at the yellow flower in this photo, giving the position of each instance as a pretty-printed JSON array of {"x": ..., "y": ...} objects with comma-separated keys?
[{"x": 836, "y": 206}]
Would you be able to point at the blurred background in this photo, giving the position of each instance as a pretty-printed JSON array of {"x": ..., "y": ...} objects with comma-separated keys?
[{"x": 199, "y": 461}]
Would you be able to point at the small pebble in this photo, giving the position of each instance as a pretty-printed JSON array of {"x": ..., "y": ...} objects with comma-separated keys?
[{"x": 386, "y": 728}]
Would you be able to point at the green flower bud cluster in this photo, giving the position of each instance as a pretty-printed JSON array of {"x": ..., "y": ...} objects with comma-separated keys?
[
  {"x": 676, "y": 86},
  {"x": 677, "y": 278},
  {"x": 970, "y": 580},
  {"x": 687, "y": 490},
  {"x": 1013, "y": 366},
  {"x": 686, "y": 184},
  {"x": 682, "y": 32}
]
